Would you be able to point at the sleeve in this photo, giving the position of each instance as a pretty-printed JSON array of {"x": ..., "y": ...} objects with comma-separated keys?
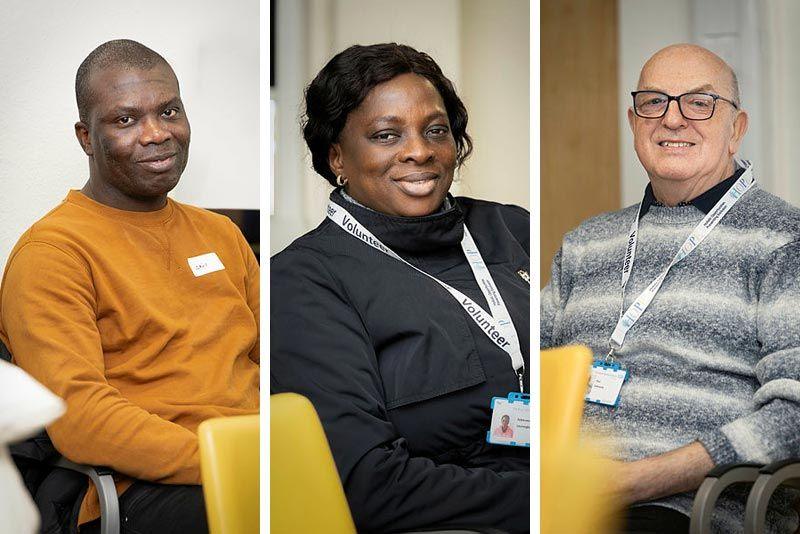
[
  {"x": 551, "y": 306},
  {"x": 252, "y": 287},
  {"x": 49, "y": 315},
  {"x": 770, "y": 433},
  {"x": 320, "y": 348}
]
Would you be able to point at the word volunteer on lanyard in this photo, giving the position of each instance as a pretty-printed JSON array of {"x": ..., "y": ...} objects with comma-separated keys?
[
  {"x": 497, "y": 326},
  {"x": 701, "y": 231}
]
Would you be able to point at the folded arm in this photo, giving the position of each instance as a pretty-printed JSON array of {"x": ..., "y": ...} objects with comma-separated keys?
[{"x": 767, "y": 434}]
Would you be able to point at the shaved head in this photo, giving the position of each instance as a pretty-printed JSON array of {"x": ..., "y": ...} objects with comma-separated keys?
[
  {"x": 120, "y": 53},
  {"x": 690, "y": 53},
  {"x": 685, "y": 157}
]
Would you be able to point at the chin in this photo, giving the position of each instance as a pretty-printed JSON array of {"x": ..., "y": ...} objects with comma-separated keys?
[
  {"x": 418, "y": 207},
  {"x": 673, "y": 173}
]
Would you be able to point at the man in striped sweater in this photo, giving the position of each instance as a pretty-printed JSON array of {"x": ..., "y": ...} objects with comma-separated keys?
[{"x": 706, "y": 321}]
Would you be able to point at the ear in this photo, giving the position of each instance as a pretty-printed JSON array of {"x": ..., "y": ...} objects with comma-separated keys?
[
  {"x": 335, "y": 160},
  {"x": 631, "y": 118},
  {"x": 739, "y": 129},
  {"x": 85, "y": 140}
]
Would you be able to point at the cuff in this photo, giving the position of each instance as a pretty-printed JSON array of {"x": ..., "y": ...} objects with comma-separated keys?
[{"x": 718, "y": 447}]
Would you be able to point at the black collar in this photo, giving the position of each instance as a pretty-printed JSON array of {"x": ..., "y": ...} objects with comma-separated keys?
[
  {"x": 704, "y": 202},
  {"x": 412, "y": 235}
]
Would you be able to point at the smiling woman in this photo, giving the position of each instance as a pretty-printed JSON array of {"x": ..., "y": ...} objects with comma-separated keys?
[{"x": 413, "y": 304}]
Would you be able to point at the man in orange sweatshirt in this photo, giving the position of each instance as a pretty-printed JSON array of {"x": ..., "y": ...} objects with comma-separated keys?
[{"x": 140, "y": 312}]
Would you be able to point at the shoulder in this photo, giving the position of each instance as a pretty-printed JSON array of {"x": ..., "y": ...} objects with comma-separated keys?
[
  {"x": 768, "y": 214},
  {"x": 55, "y": 233},
  {"x": 509, "y": 212},
  {"x": 206, "y": 219},
  {"x": 608, "y": 225},
  {"x": 496, "y": 216},
  {"x": 305, "y": 255}
]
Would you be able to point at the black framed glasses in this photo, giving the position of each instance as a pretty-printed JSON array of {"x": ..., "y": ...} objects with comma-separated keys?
[{"x": 693, "y": 106}]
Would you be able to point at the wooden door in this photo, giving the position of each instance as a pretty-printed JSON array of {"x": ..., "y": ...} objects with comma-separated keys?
[{"x": 580, "y": 169}]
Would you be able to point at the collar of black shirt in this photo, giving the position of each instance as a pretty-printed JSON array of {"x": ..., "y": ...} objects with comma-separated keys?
[{"x": 704, "y": 202}]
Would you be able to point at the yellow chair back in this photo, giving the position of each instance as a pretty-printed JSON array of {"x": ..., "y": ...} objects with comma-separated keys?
[
  {"x": 229, "y": 463},
  {"x": 306, "y": 494},
  {"x": 573, "y": 474},
  {"x": 563, "y": 381}
]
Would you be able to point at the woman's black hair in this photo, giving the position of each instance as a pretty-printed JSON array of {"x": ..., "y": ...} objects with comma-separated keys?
[{"x": 345, "y": 81}]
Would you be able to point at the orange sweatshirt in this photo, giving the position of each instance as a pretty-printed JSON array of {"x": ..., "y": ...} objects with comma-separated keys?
[{"x": 102, "y": 307}]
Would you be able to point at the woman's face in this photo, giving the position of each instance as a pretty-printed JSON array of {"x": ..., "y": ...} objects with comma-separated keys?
[{"x": 396, "y": 150}]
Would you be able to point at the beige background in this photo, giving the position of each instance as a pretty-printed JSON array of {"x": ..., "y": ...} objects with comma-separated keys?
[{"x": 483, "y": 47}]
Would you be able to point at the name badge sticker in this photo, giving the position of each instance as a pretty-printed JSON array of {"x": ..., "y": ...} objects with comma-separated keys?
[
  {"x": 511, "y": 420},
  {"x": 205, "y": 264},
  {"x": 605, "y": 383}
]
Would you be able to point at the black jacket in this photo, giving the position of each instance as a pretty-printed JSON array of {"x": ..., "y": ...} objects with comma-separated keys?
[{"x": 401, "y": 377}]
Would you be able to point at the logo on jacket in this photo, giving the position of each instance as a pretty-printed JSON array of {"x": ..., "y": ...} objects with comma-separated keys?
[{"x": 524, "y": 275}]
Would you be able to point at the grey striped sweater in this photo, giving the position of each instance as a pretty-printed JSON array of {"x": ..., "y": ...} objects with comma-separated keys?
[{"x": 716, "y": 356}]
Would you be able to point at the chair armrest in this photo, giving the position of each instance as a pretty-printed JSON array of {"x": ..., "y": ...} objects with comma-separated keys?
[
  {"x": 716, "y": 481},
  {"x": 784, "y": 472},
  {"x": 106, "y": 490}
]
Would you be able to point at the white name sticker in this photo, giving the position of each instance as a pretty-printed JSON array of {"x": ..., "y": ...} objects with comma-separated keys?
[
  {"x": 204, "y": 264},
  {"x": 605, "y": 383}
]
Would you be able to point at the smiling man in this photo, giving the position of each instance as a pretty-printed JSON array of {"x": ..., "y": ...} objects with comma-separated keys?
[
  {"x": 693, "y": 293},
  {"x": 139, "y": 311}
]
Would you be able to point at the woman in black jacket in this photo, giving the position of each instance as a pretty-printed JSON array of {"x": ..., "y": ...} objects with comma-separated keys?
[{"x": 407, "y": 310}]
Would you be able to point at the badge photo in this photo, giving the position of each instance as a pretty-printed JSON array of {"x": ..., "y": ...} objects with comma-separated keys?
[{"x": 511, "y": 420}]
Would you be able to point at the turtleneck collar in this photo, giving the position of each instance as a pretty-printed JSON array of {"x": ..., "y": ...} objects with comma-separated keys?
[{"x": 413, "y": 235}]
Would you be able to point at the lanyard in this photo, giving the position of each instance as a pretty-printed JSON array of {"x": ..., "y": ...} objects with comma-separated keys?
[
  {"x": 497, "y": 326},
  {"x": 701, "y": 231}
]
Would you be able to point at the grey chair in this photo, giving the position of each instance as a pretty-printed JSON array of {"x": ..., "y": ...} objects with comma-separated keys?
[
  {"x": 770, "y": 477},
  {"x": 102, "y": 477},
  {"x": 717, "y": 481},
  {"x": 764, "y": 480}
]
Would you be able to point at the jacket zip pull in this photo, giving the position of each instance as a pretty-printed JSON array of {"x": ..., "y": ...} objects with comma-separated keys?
[{"x": 520, "y": 374}]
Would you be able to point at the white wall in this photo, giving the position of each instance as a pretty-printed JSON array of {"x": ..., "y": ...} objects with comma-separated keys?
[
  {"x": 481, "y": 46},
  {"x": 645, "y": 26},
  {"x": 495, "y": 87},
  {"x": 213, "y": 48},
  {"x": 781, "y": 42},
  {"x": 760, "y": 41}
]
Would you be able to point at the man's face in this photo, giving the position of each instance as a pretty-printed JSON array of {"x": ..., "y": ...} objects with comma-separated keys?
[
  {"x": 138, "y": 133},
  {"x": 673, "y": 148}
]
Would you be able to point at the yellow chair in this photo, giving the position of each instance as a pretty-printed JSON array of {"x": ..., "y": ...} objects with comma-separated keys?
[
  {"x": 563, "y": 381},
  {"x": 306, "y": 494},
  {"x": 229, "y": 450},
  {"x": 573, "y": 475}
]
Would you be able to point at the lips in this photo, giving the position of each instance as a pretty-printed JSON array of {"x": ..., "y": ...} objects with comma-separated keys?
[
  {"x": 158, "y": 163},
  {"x": 417, "y": 184}
]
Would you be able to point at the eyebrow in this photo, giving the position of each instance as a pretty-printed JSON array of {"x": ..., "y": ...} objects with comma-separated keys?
[
  {"x": 395, "y": 118},
  {"x": 133, "y": 109}
]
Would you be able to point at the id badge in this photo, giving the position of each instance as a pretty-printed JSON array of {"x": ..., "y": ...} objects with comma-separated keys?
[
  {"x": 605, "y": 383},
  {"x": 511, "y": 420}
]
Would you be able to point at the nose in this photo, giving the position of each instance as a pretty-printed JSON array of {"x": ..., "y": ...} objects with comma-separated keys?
[
  {"x": 154, "y": 131},
  {"x": 416, "y": 149},
  {"x": 673, "y": 119}
]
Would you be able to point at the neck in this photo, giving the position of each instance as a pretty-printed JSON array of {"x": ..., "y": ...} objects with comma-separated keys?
[
  {"x": 102, "y": 192},
  {"x": 673, "y": 192}
]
